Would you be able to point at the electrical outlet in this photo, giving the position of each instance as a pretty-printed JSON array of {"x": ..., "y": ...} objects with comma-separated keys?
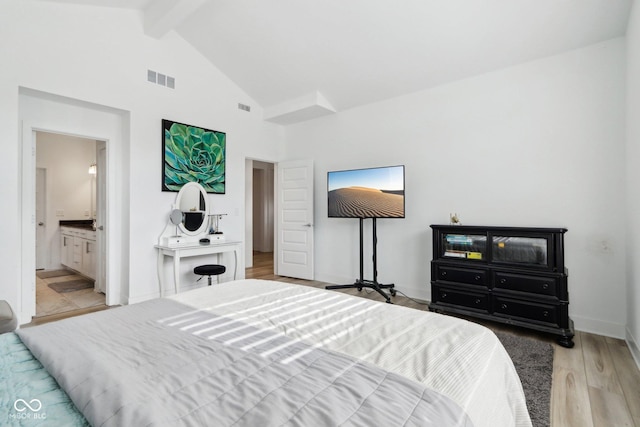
[{"x": 60, "y": 212}]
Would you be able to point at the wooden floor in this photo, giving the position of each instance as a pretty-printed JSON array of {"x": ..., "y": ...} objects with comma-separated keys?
[{"x": 595, "y": 384}]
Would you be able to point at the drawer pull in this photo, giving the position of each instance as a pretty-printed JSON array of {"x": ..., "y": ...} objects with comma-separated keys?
[
  {"x": 545, "y": 313},
  {"x": 477, "y": 300},
  {"x": 444, "y": 273},
  {"x": 503, "y": 281},
  {"x": 478, "y": 278},
  {"x": 503, "y": 306},
  {"x": 443, "y": 295},
  {"x": 545, "y": 286}
]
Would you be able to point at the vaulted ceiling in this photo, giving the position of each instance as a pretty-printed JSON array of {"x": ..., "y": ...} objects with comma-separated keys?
[{"x": 303, "y": 58}]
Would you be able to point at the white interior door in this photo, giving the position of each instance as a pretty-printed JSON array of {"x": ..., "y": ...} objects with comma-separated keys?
[
  {"x": 41, "y": 209},
  {"x": 294, "y": 251}
]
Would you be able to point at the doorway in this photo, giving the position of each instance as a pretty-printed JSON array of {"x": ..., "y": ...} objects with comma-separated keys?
[
  {"x": 67, "y": 258},
  {"x": 44, "y": 111},
  {"x": 260, "y": 213}
]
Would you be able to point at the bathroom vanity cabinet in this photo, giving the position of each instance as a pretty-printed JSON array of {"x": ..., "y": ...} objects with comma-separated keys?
[{"x": 78, "y": 250}]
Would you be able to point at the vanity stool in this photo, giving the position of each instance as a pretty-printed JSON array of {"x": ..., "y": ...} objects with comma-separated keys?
[
  {"x": 210, "y": 270},
  {"x": 8, "y": 319}
]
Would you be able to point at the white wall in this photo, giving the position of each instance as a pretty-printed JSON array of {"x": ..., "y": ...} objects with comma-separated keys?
[
  {"x": 101, "y": 55},
  {"x": 66, "y": 160},
  {"x": 633, "y": 178},
  {"x": 540, "y": 144}
]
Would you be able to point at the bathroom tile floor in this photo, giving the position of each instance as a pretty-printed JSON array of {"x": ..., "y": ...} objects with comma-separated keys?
[{"x": 50, "y": 302}]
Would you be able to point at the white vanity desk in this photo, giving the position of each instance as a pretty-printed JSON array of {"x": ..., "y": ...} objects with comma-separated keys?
[
  {"x": 188, "y": 224},
  {"x": 183, "y": 251}
]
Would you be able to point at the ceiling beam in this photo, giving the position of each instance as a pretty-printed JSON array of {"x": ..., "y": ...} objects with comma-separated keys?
[{"x": 162, "y": 16}]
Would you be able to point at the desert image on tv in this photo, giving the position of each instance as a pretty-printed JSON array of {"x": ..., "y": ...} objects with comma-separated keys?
[{"x": 363, "y": 202}]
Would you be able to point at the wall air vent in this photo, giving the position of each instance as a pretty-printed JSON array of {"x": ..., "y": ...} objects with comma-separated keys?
[
  {"x": 244, "y": 107},
  {"x": 161, "y": 79}
]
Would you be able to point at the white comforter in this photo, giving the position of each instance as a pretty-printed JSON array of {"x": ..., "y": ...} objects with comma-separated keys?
[
  {"x": 268, "y": 352},
  {"x": 460, "y": 359}
]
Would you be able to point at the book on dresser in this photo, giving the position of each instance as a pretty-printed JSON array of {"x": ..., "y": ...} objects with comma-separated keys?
[{"x": 513, "y": 275}]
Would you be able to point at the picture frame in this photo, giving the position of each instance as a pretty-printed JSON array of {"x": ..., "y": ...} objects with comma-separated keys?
[{"x": 193, "y": 154}]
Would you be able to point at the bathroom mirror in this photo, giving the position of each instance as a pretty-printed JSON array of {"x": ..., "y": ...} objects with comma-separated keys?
[{"x": 192, "y": 202}]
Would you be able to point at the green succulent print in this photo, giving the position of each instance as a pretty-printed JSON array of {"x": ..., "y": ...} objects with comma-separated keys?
[{"x": 193, "y": 154}]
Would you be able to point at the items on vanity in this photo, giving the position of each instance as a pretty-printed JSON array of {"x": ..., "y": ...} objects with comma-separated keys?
[
  {"x": 78, "y": 247},
  {"x": 190, "y": 221}
]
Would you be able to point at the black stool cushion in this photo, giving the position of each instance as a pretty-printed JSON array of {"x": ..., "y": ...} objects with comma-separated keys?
[{"x": 209, "y": 269}]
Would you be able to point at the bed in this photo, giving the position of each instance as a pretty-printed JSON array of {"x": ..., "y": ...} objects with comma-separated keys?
[{"x": 256, "y": 352}]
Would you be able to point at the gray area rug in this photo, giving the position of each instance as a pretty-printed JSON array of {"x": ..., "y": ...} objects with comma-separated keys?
[
  {"x": 534, "y": 363},
  {"x": 54, "y": 273},
  {"x": 71, "y": 285}
]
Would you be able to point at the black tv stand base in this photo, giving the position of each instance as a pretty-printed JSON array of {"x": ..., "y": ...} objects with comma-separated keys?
[
  {"x": 378, "y": 287},
  {"x": 362, "y": 282}
]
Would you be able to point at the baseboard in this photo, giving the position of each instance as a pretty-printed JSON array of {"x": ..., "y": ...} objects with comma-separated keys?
[
  {"x": 141, "y": 298},
  {"x": 599, "y": 327},
  {"x": 632, "y": 343}
]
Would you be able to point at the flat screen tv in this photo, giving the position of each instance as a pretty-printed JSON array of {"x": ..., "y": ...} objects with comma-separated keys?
[{"x": 366, "y": 193}]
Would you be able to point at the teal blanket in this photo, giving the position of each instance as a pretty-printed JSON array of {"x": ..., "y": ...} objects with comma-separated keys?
[{"x": 29, "y": 396}]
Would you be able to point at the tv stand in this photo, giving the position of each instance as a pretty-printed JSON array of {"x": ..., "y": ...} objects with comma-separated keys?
[{"x": 362, "y": 282}]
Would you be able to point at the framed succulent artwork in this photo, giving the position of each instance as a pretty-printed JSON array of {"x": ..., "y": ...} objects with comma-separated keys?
[{"x": 192, "y": 154}]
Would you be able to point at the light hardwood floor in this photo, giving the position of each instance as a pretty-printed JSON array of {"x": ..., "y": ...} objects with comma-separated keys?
[{"x": 595, "y": 384}]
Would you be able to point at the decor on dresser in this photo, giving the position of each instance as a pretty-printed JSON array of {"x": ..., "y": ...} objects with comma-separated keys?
[
  {"x": 513, "y": 275},
  {"x": 192, "y": 154}
]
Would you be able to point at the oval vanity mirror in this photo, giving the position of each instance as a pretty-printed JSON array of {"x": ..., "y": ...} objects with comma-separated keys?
[{"x": 192, "y": 203}]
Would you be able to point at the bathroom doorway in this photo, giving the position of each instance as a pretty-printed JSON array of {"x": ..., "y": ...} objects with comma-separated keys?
[{"x": 68, "y": 255}]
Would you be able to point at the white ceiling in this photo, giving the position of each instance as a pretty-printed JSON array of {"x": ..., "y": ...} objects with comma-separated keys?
[{"x": 291, "y": 55}]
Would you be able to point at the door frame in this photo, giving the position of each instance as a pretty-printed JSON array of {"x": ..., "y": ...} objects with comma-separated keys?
[{"x": 43, "y": 111}]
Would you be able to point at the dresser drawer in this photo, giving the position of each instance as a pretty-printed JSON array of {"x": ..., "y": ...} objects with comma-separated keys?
[
  {"x": 467, "y": 276},
  {"x": 475, "y": 300},
  {"x": 507, "y": 307},
  {"x": 524, "y": 283}
]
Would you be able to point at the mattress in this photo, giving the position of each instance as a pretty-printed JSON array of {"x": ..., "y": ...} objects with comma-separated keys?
[{"x": 255, "y": 352}]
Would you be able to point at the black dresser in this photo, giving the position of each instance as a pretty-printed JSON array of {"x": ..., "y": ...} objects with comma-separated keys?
[{"x": 513, "y": 275}]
